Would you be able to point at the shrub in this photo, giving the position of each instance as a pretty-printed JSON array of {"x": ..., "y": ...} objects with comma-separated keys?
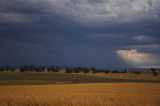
[
  {"x": 12, "y": 69},
  {"x": 154, "y": 71},
  {"x": 115, "y": 71},
  {"x": 124, "y": 71},
  {"x": 94, "y": 70},
  {"x": 101, "y": 70},
  {"x": 77, "y": 70},
  {"x": 68, "y": 70},
  {"x": 86, "y": 70},
  {"x": 106, "y": 71},
  {"x": 22, "y": 69},
  {"x": 53, "y": 69},
  {"x": 137, "y": 72},
  {"x": 39, "y": 69},
  {"x": 2, "y": 69}
]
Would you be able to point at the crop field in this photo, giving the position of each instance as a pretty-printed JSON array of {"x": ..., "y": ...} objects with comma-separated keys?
[
  {"x": 97, "y": 94},
  {"x": 29, "y": 78},
  {"x": 130, "y": 76},
  {"x": 79, "y": 89}
]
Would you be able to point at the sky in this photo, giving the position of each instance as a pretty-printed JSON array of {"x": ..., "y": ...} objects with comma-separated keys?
[{"x": 85, "y": 33}]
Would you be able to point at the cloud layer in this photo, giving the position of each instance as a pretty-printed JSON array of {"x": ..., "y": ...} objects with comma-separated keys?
[
  {"x": 80, "y": 32},
  {"x": 86, "y": 12}
]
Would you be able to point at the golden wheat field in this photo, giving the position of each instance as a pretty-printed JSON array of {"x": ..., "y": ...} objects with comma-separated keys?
[{"x": 104, "y": 94}]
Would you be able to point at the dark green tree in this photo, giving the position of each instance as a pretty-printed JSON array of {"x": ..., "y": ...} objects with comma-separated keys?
[
  {"x": 124, "y": 71},
  {"x": 106, "y": 71},
  {"x": 115, "y": 71},
  {"x": 94, "y": 70},
  {"x": 77, "y": 70},
  {"x": 68, "y": 70},
  {"x": 85, "y": 70},
  {"x": 154, "y": 71}
]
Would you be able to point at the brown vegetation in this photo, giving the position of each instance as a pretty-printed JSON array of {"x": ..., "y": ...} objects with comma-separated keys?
[{"x": 111, "y": 94}]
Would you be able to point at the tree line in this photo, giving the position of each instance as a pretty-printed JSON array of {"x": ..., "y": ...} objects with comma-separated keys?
[{"x": 32, "y": 68}]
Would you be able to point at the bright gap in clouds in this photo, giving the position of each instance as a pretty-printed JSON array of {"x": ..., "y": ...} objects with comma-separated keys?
[{"x": 139, "y": 59}]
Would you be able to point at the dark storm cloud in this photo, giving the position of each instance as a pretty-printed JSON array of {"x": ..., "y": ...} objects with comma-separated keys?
[
  {"x": 77, "y": 32},
  {"x": 89, "y": 11}
]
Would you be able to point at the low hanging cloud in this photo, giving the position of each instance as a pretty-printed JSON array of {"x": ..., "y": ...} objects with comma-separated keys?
[
  {"x": 139, "y": 59},
  {"x": 86, "y": 12},
  {"x": 150, "y": 46},
  {"x": 12, "y": 18},
  {"x": 143, "y": 38}
]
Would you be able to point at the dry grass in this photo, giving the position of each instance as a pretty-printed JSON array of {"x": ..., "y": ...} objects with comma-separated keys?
[
  {"x": 142, "y": 76},
  {"x": 111, "y": 94}
]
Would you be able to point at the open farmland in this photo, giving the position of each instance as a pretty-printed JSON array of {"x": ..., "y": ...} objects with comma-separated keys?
[
  {"x": 104, "y": 94},
  {"x": 38, "y": 78}
]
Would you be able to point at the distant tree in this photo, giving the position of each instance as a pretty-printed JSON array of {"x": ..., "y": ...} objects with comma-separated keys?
[
  {"x": 42, "y": 68},
  {"x": 7, "y": 69},
  {"x": 101, "y": 70},
  {"x": 56, "y": 70},
  {"x": 154, "y": 71},
  {"x": 115, "y": 71},
  {"x": 106, "y": 71},
  {"x": 22, "y": 69},
  {"x": 49, "y": 69},
  {"x": 31, "y": 68},
  {"x": 124, "y": 71},
  {"x": 85, "y": 70},
  {"x": 68, "y": 70},
  {"x": 94, "y": 70},
  {"x": 39, "y": 69},
  {"x": 137, "y": 72},
  {"x": 57, "y": 67},
  {"x": 77, "y": 70},
  {"x": 12, "y": 69},
  {"x": 2, "y": 69},
  {"x": 52, "y": 69},
  {"x": 28, "y": 68}
]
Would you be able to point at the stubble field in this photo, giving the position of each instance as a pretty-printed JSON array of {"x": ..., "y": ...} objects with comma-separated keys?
[{"x": 97, "y": 94}]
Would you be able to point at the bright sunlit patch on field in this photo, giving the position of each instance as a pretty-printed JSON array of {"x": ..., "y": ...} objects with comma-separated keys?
[{"x": 138, "y": 59}]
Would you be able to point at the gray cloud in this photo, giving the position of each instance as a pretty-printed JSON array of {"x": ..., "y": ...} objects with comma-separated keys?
[
  {"x": 86, "y": 12},
  {"x": 143, "y": 38},
  {"x": 82, "y": 32}
]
